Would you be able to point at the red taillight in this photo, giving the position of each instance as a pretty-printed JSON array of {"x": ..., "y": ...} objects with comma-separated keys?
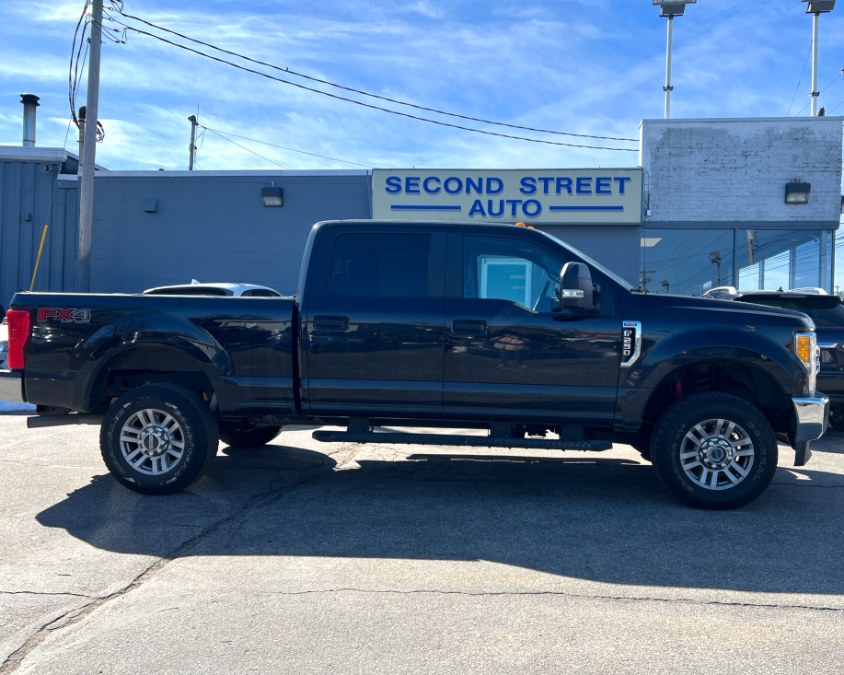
[{"x": 19, "y": 331}]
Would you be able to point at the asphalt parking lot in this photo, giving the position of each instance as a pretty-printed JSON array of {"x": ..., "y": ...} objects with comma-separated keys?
[{"x": 313, "y": 558}]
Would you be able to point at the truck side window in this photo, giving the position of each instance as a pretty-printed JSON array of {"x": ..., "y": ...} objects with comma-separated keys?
[
  {"x": 509, "y": 269},
  {"x": 381, "y": 265}
]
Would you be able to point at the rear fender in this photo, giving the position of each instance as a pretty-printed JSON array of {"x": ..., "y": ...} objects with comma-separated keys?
[{"x": 162, "y": 350}]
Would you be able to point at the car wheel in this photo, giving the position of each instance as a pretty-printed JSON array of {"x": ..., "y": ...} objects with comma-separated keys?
[
  {"x": 157, "y": 439},
  {"x": 836, "y": 418},
  {"x": 245, "y": 435},
  {"x": 714, "y": 451}
]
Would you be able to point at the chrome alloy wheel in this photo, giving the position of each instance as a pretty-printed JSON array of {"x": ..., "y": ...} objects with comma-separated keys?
[
  {"x": 152, "y": 442},
  {"x": 717, "y": 454}
]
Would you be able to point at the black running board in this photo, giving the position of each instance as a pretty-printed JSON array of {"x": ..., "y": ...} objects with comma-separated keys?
[
  {"x": 327, "y": 436},
  {"x": 39, "y": 421}
]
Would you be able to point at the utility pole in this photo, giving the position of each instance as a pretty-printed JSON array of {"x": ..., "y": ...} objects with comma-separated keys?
[
  {"x": 193, "y": 124},
  {"x": 89, "y": 159}
]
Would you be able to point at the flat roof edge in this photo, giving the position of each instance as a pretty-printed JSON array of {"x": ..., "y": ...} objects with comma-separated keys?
[
  {"x": 26, "y": 154},
  {"x": 268, "y": 174}
]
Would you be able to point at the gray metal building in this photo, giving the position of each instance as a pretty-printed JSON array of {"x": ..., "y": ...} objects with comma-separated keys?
[{"x": 30, "y": 199}]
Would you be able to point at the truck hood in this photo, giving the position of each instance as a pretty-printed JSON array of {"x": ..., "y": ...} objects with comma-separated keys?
[{"x": 713, "y": 312}]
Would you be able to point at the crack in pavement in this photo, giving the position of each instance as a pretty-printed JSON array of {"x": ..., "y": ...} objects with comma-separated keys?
[
  {"x": 44, "y": 593},
  {"x": 276, "y": 488},
  {"x": 566, "y": 594}
]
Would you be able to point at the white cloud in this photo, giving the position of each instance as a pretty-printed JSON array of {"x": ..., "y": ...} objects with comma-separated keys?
[{"x": 45, "y": 11}]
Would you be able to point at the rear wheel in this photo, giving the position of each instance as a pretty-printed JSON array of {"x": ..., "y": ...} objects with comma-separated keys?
[
  {"x": 157, "y": 439},
  {"x": 245, "y": 435},
  {"x": 714, "y": 451}
]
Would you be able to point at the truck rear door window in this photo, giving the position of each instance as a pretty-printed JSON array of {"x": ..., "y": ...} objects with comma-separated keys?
[{"x": 381, "y": 265}]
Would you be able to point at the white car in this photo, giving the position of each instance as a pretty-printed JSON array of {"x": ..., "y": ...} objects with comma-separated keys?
[
  {"x": 221, "y": 288},
  {"x": 813, "y": 290},
  {"x": 722, "y": 293}
]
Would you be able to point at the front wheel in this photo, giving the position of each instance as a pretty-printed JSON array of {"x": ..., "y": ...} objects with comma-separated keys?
[
  {"x": 157, "y": 439},
  {"x": 714, "y": 451}
]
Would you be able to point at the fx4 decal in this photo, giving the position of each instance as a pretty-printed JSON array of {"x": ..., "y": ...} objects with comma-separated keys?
[{"x": 64, "y": 315}]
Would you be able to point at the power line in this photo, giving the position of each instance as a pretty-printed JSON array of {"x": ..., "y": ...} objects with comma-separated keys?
[
  {"x": 267, "y": 159},
  {"x": 75, "y": 71},
  {"x": 369, "y": 94},
  {"x": 800, "y": 81},
  {"x": 283, "y": 147},
  {"x": 829, "y": 84},
  {"x": 368, "y": 105}
]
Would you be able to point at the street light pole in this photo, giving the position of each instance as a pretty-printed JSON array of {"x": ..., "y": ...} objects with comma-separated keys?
[
  {"x": 715, "y": 259},
  {"x": 816, "y": 8},
  {"x": 670, "y": 9},
  {"x": 815, "y": 93},
  {"x": 667, "y": 87}
]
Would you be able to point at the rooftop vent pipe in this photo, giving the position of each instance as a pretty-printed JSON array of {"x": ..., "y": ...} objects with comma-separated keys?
[{"x": 30, "y": 103}]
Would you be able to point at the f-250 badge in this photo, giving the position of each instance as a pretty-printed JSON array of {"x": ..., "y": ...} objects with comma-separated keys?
[
  {"x": 64, "y": 315},
  {"x": 631, "y": 342}
]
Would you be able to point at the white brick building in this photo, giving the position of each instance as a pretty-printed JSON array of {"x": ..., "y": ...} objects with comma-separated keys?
[{"x": 715, "y": 209}]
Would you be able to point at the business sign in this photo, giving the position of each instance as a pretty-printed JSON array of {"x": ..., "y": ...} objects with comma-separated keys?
[{"x": 534, "y": 196}]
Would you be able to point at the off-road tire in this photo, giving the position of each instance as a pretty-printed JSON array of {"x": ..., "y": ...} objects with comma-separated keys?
[
  {"x": 157, "y": 439},
  {"x": 714, "y": 451}
]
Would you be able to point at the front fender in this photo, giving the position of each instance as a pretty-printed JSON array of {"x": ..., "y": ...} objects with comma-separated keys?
[
  {"x": 664, "y": 356},
  {"x": 661, "y": 356}
]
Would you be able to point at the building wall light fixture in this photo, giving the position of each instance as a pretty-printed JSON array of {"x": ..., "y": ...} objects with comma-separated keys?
[
  {"x": 797, "y": 193},
  {"x": 272, "y": 196}
]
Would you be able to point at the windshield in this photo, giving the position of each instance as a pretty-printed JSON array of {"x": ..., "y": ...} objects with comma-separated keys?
[{"x": 594, "y": 263}]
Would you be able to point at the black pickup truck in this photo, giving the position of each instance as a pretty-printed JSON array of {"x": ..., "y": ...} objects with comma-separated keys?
[{"x": 495, "y": 328}]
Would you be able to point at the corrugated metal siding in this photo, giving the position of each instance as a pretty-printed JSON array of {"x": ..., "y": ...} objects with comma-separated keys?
[{"x": 29, "y": 199}]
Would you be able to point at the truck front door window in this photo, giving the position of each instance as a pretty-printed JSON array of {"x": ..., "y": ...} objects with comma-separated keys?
[{"x": 510, "y": 270}]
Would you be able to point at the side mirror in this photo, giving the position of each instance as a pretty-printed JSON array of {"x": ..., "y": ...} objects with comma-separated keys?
[{"x": 576, "y": 289}]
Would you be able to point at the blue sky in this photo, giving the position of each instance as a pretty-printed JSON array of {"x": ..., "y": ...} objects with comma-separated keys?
[{"x": 592, "y": 67}]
